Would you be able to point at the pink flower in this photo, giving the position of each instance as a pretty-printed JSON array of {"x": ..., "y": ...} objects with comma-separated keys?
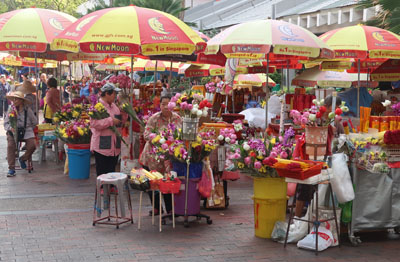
[
  {"x": 257, "y": 165},
  {"x": 189, "y": 106},
  {"x": 284, "y": 155},
  {"x": 273, "y": 154},
  {"x": 247, "y": 160},
  {"x": 171, "y": 105},
  {"x": 164, "y": 146},
  {"x": 152, "y": 136},
  {"x": 236, "y": 156},
  {"x": 184, "y": 105},
  {"x": 303, "y": 120}
]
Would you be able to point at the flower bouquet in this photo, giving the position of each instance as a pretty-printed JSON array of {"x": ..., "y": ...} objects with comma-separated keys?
[
  {"x": 227, "y": 135},
  {"x": 74, "y": 89},
  {"x": 94, "y": 87},
  {"x": 128, "y": 108},
  {"x": 122, "y": 81},
  {"x": 13, "y": 118},
  {"x": 99, "y": 112},
  {"x": 74, "y": 131}
]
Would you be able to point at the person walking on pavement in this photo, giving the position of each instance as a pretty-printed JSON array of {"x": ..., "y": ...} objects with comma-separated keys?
[
  {"x": 4, "y": 89},
  {"x": 42, "y": 87},
  {"x": 25, "y": 123},
  {"x": 104, "y": 142},
  {"x": 159, "y": 121}
]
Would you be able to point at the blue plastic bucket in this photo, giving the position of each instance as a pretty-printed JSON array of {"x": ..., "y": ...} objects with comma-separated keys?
[
  {"x": 79, "y": 163},
  {"x": 195, "y": 169}
]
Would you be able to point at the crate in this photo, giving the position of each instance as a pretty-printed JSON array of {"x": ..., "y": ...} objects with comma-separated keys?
[
  {"x": 313, "y": 170},
  {"x": 170, "y": 187}
]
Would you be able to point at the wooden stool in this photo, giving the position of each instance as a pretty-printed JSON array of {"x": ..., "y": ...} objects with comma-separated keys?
[{"x": 118, "y": 180}]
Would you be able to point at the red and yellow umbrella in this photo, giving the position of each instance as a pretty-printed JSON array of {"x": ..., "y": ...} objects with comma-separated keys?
[
  {"x": 388, "y": 71},
  {"x": 31, "y": 29},
  {"x": 363, "y": 42},
  {"x": 254, "y": 39},
  {"x": 129, "y": 30}
]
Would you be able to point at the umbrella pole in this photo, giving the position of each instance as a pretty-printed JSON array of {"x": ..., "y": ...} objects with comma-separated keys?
[
  {"x": 130, "y": 119},
  {"x": 155, "y": 79},
  {"x": 37, "y": 90},
  {"x": 170, "y": 76},
  {"x": 282, "y": 76},
  {"x": 59, "y": 82},
  {"x": 267, "y": 94},
  {"x": 233, "y": 100},
  {"x": 358, "y": 88},
  {"x": 287, "y": 77}
]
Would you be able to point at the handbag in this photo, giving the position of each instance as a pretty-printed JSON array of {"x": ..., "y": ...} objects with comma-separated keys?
[{"x": 21, "y": 130}]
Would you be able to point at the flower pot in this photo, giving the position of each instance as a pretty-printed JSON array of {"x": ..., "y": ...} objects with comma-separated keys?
[
  {"x": 316, "y": 140},
  {"x": 269, "y": 204},
  {"x": 190, "y": 128}
]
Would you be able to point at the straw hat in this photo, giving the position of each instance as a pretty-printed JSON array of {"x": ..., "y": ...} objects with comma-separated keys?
[
  {"x": 17, "y": 94},
  {"x": 26, "y": 87}
]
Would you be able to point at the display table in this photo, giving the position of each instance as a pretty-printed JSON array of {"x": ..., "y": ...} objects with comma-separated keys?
[{"x": 377, "y": 201}]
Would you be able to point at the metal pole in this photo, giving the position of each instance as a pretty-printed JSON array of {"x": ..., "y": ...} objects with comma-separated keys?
[
  {"x": 282, "y": 78},
  {"x": 59, "y": 81},
  {"x": 287, "y": 77},
  {"x": 267, "y": 94},
  {"x": 358, "y": 88},
  {"x": 155, "y": 79},
  {"x": 130, "y": 119},
  {"x": 37, "y": 90},
  {"x": 170, "y": 76}
]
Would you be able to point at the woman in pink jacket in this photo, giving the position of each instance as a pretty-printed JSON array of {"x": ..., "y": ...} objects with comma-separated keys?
[{"x": 104, "y": 143}]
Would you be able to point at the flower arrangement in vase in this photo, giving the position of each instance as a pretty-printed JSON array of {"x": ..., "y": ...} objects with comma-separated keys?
[{"x": 74, "y": 131}]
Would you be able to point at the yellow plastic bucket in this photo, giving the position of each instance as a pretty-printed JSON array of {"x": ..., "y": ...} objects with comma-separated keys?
[
  {"x": 269, "y": 204},
  {"x": 266, "y": 213},
  {"x": 270, "y": 188}
]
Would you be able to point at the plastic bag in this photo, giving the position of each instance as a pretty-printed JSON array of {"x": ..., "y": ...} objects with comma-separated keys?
[
  {"x": 341, "y": 181},
  {"x": 325, "y": 239},
  {"x": 205, "y": 185},
  {"x": 279, "y": 231},
  {"x": 298, "y": 229}
]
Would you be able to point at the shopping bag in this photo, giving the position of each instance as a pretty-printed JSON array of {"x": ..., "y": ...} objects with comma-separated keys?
[
  {"x": 205, "y": 185},
  {"x": 325, "y": 239},
  {"x": 346, "y": 211},
  {"x": 217, "y": 198},
  {"x": 341, "y": 180},
  {"x": 279, "y": 231},
  {"x": 325, "y": 213}
]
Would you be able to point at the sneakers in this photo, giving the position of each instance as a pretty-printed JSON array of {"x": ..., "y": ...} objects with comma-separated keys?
[
  {"x": 11, "y": 173},
  {"x": 22, "y": 163}
]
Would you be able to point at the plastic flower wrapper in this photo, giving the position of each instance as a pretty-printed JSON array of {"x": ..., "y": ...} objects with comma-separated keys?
[
  {"x": 99, "y": 112},
  {"x": 74, "y": 131}
]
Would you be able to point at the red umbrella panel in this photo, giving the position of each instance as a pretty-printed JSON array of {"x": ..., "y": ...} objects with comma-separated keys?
[{"x": 388, "y": 71}]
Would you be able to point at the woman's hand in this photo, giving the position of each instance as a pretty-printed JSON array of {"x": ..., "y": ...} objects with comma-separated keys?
[{"x": 116, "y": 121}]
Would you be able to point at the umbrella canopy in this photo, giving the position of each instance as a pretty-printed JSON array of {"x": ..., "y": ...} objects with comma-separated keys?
[
  {"x": 150, "y": 65},
  {"x": 388, "y": 71},
  {"x": 129, "y": 30},
  {"x": 253, "y": 80},
  {"x": 31, "y": 29},
  {"x": 104, "y": 67},
  {"x": 314, "y": 76},
  {"x": 256, "y": 38},
  {"x": 363, "y": 42}
]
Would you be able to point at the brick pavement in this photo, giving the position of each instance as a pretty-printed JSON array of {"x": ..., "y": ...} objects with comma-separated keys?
[{"x": 51, "y": 221}]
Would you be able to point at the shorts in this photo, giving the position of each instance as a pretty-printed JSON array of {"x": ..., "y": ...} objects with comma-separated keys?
[{"x": 305, "y": 192}]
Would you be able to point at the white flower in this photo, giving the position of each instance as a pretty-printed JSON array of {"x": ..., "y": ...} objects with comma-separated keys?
[
  {"x": 345, "y": 109},
  {"x": 246, "y": 147},
  {"x": 227, "y": 139},
  {"x": 220, "y": 137},
  {"x": 315, "y": 101},
  {"x": 162, "y": 141},
  {"x": 199, "y": 113},
  {"x": 312, "y": 117},
  {"x": 195, "y": 106},
  {"x": 205, "y": 113},
  {"x": 321, "y": 102},
  {"x": 386, "y": 103},
  {"x": 193, "y": 111}
]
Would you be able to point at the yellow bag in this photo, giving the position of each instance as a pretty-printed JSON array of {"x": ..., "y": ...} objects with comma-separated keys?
[
  {"x": 217, "y": 198},
  {"x": 48, "y": 113}
]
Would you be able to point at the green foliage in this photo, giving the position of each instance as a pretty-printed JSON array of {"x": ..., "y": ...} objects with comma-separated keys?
[
  {"x": 388, "y": 16},
  {"x": 277, "y": 77},
  {"x": 66, "y": 6}
]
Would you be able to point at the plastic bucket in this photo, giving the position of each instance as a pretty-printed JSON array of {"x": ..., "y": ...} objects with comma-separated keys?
[
  {"x": 269, "y": 188},
  {"x": 78, "y": 163},
  {"x": 193, "y": 198},
  {"x": 266, "y": 213},
  {"x": 79, "y": 146},
  {"x": 269, "y": 204},
  {"x": 195, "y": 169}
]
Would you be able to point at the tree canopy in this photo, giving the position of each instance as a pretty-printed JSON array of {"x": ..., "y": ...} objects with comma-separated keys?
[
  {"x": 388, "y": 15},
  {"x": 66, "y": 6}
]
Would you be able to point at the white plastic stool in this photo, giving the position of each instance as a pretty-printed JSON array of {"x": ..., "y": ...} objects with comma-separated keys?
[{"x": 118, "y": 180}]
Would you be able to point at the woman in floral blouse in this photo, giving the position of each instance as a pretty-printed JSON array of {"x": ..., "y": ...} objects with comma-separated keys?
[{"x": 159, "y": 121}]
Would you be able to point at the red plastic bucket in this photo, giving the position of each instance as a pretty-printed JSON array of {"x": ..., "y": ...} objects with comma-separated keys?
[{"x": 79, "y": 146}]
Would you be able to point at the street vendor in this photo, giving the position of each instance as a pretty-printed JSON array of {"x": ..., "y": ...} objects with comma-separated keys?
[
  {"x": 159, "y": 121},
  {"x": 104, "y": 142},
  {"x": 306, "y": 192},
  {"x": 22, "y": 127}
]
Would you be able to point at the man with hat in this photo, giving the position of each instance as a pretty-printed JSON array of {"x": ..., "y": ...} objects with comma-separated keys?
[
  {"x": 104, "y": 142},
  {"x": 4, "y": 89},
  {"x": 22, "y": 132}
]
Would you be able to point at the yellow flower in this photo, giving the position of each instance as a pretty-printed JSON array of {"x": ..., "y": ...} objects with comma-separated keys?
[
  {"x": 75, "y": 114},
  {"x": 260, "y": 157},
  {"x": 177, "y": 152},
  {"x": 90, "y": 113},
  {"x": 240, "y": 165},
  {"x": 56, "y": 119},
  {"x": 273, "y": 141},
  {"x": 99, "y": 107},
  {"x": 196, "y": 144},
  {"x": 156, "y": 139},
  {"x": 80, "y": 131}
]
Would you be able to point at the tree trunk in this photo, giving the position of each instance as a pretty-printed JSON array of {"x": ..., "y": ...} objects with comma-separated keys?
[{"x": 182, "y": 14}]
